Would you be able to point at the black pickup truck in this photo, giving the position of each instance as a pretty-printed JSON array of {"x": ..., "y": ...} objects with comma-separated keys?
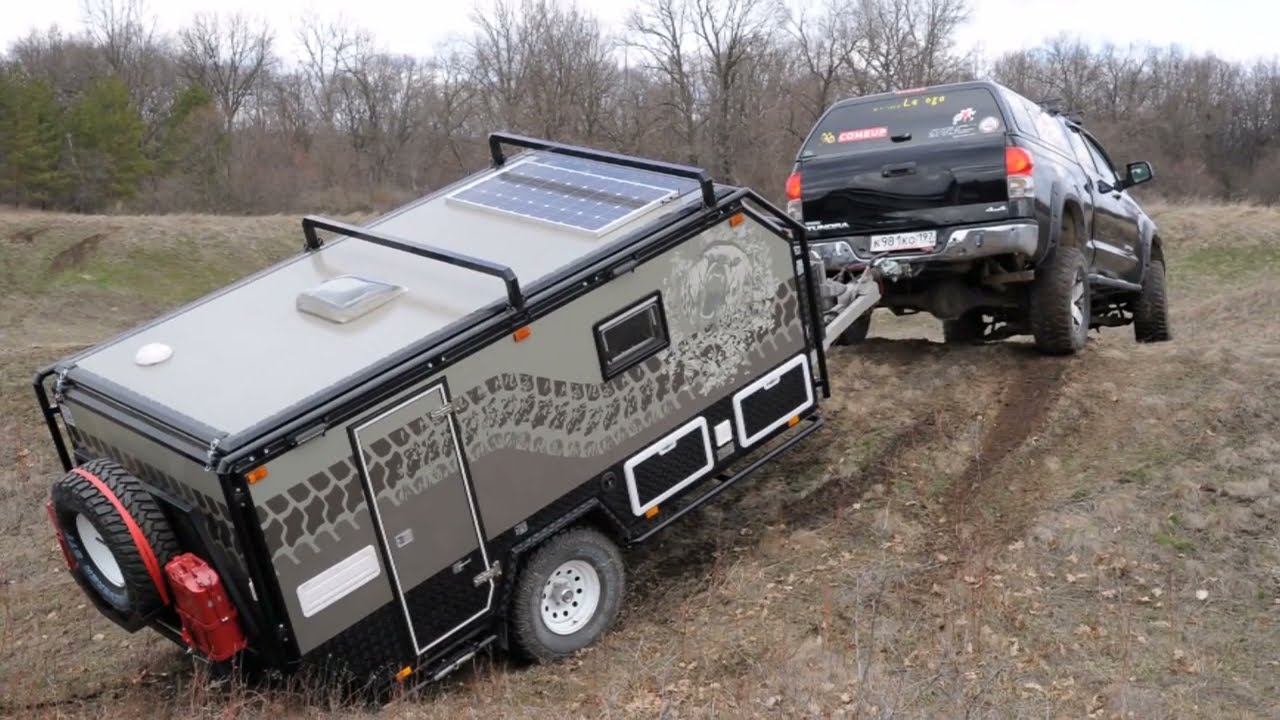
[{"x": 1002, "y": 217}]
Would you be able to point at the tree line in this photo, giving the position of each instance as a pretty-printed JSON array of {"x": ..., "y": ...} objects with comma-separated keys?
[{"x": 212, "y": 118}]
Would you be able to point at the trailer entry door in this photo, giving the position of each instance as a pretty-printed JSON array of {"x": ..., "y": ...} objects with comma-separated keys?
[{"x": 413, "y": 473}]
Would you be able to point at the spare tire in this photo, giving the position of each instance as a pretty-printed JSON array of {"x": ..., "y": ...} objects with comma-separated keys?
[{"x": 117, "y": 537}]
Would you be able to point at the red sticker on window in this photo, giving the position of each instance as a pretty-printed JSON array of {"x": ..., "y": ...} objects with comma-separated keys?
[{"x": 874, "y": 133}]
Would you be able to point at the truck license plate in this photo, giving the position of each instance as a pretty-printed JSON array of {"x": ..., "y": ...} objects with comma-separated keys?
[{"x": 923, "y": 239}]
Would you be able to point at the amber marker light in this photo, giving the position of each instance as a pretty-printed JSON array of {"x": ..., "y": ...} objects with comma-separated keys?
[{"x": 256, "y": 474}]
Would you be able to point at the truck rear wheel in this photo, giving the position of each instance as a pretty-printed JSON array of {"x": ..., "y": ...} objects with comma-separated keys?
[
  {"x": 1151, "y": 312},
  {"x": 116, "y": 537},
  {"x": 568, "y": 595},
  {"x": 1060, "y": 303}
]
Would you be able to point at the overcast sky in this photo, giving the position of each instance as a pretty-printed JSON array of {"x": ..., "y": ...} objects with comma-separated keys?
[{"x": 1234, "y": 29}]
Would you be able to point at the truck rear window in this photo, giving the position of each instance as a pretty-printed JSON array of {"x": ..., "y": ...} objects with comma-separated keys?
[{"x": 923, "y": 116}]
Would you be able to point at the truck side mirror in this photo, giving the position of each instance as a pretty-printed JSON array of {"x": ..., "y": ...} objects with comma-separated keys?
[{"x": 1136, "y": 173}]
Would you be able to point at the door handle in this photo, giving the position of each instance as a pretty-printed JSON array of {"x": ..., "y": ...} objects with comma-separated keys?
[{"x": 907, "y": 168}]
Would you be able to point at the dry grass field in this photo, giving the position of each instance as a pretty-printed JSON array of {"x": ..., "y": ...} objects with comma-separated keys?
[{"x": 978, "y": 533}]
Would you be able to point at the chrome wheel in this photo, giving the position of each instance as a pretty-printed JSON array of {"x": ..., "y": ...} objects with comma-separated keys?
[
  {"x": 1078, "y": 304},
  {"x": 570, "y": 597}
]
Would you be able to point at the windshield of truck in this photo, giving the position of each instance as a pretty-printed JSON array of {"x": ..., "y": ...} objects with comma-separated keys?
[{"x": 906, "y": 118}]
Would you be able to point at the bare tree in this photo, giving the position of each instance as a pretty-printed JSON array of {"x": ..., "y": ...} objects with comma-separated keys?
[
  {"x": 226, "y": 55},
  {"x": 731, "y": 33},
  {"x": 911, "y": 42},
  {"x": 826, "y": 43},
  {"x": 659, "y": 29}
]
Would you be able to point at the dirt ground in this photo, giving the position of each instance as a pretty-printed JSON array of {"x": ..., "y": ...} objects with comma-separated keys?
[{"x": 979, "y": 532}]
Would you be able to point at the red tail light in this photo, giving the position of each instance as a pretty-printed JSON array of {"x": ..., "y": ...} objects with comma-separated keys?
[
  {"x": 793, "y": 186},
  {"x": 1017, "y": 161}
]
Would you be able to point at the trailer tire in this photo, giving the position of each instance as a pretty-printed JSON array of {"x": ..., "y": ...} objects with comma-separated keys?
[
  {"x": 117, "y": 537},
  {"x": 568, "y": 595}
]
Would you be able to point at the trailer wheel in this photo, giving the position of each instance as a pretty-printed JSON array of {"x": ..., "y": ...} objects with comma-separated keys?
[
  {"x": 116, "y": 536},
  {"x": 568, "y": 595}
]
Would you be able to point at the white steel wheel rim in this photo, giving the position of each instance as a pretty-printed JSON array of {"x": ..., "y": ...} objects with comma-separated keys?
[
  {"x": 99, "y": 554},
  {"x": 570, "y": 597}
]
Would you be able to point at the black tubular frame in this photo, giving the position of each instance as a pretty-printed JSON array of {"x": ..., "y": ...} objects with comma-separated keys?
[
  {"x": 50, "y": 412},
  {"x": 311, "y": 223},
  {"x": 498, "y": 139}
]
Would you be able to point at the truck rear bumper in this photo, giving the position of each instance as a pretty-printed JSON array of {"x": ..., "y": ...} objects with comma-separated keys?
[{"x": 954, "y": 245}]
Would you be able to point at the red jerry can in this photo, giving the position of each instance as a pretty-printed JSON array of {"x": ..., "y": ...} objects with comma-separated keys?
[{"x": 209, "y": 621}]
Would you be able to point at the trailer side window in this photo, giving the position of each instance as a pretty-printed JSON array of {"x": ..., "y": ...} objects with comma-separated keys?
[{"x": 630, "y": 336}]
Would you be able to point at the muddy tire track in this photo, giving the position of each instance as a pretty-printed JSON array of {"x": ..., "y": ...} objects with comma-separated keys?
[
  {"x": 76, "y": 254},
  {"x": 985, "y": 507}
]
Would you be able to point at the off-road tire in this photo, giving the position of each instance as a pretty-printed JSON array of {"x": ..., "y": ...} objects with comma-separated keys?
[
  {"x": 964, "y": 330},
  {"x": 1052, "y": 300},
  {"x": 857, "y": 332},
  {"x": 532, "y": 638},
  {"x": 1151, "y": 311},
  {"x": 139, "y": 596}
]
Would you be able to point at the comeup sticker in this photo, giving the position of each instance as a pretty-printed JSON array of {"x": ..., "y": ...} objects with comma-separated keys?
[
  {"x": 875, "y": 133},
  {"x": 989, "y": 124}
]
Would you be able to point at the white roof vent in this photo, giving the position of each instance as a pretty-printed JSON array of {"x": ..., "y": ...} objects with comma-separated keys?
[
  {"x": 152, "y": 354},
  {"x": 347, "y": 297}
]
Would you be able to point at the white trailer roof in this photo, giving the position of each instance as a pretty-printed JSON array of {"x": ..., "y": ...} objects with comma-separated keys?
[{"x": 248, "y": 353}]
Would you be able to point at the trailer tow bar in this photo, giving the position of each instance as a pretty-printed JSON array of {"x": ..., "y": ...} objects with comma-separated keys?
[{"x": 866, "y": 293}]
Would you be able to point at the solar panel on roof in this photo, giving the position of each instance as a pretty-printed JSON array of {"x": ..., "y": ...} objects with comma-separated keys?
[
  {"x": 568, "y": 193},
  {"x": 620, "y": 172}
]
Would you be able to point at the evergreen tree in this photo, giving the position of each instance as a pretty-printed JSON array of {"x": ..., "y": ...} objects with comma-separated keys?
[
  {"x": 106, "y": 138},
  {"x": 31, "y": 145}
]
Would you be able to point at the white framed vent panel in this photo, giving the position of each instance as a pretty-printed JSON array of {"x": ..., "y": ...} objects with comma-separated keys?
[
  {"x": 339, "y": 581},
  {"x": 773, "y": 399},
  {"x": 669, "y": 465}
]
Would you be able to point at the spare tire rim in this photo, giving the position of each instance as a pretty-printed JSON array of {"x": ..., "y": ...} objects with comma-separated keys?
[
  {"x": 99, "y": 554},
  {"x": 570, "y": 597}
]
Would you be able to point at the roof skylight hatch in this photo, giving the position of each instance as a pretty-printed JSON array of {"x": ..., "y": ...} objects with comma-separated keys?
[{"x": 346, "y": 298}]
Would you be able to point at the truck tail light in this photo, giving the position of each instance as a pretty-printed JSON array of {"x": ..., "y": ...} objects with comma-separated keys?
[
  {"x": 1019, "y": 167},
  {"x": 794, "y": 205}
]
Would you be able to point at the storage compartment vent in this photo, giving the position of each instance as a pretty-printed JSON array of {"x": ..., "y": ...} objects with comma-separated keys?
[
  {"x": 347, "y": 297},
  {"x": 669, "y": 465},
  {"x": 771, "y": 401}
]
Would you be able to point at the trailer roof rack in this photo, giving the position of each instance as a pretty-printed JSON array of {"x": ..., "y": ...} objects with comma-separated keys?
[{"x": 515, "y": 298}]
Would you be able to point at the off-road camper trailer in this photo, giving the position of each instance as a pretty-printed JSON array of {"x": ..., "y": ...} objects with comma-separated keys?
[{"x": 433, "y": 431}]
